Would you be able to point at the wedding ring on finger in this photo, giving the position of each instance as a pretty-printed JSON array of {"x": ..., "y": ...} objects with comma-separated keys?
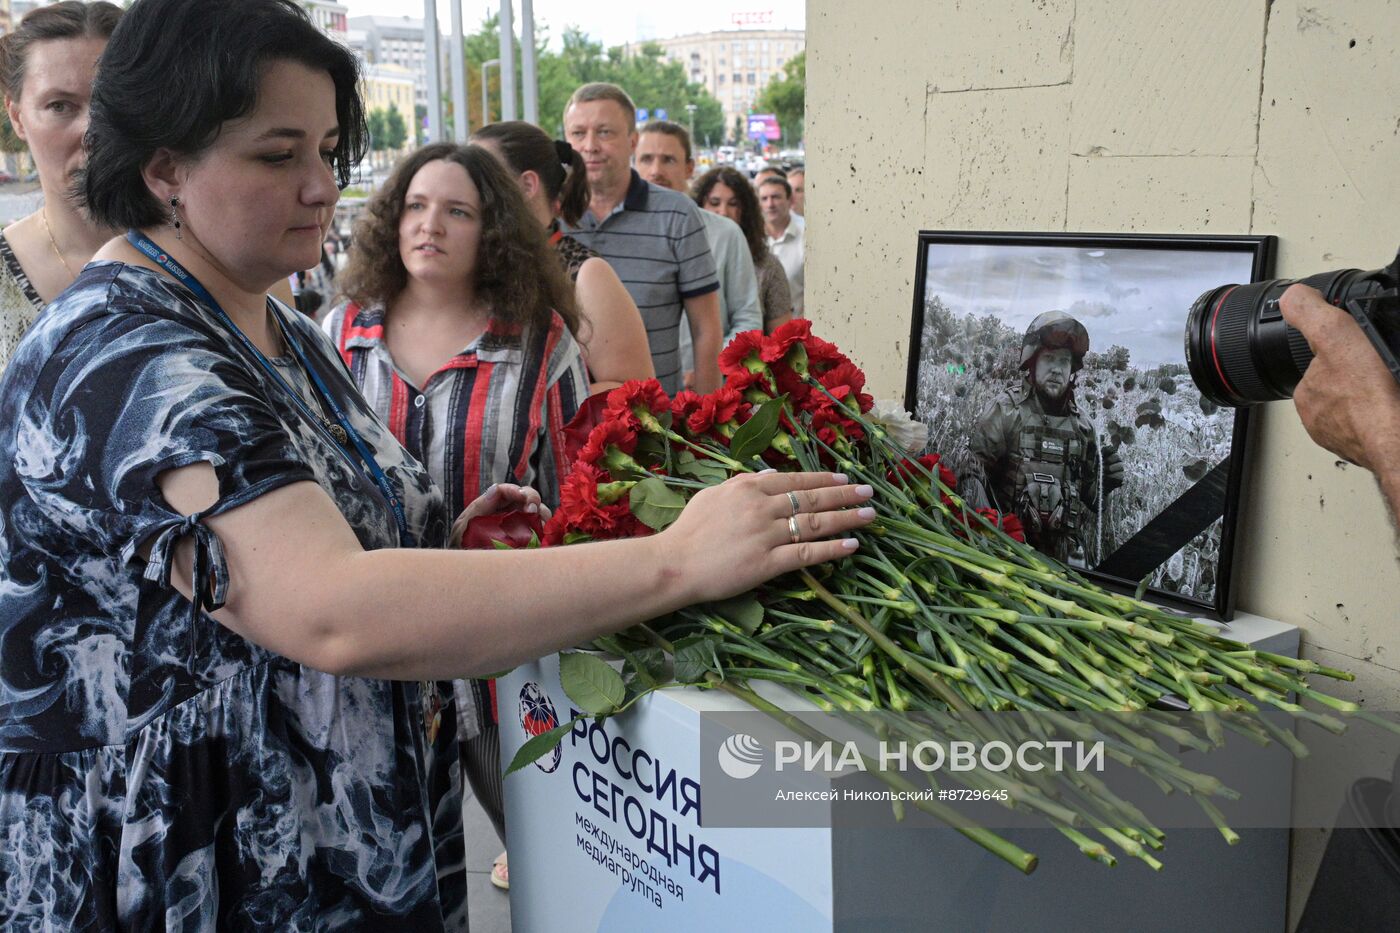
[
  {"x": 792, "y": 497},
  {"x": 794, "y": 533}
]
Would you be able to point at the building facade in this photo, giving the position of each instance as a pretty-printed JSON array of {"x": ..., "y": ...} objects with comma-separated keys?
[
  {"x": 734, "y": 65},
  {"x": 394, "y": 40},
  {"x": 330, "y": 18},
  {"x": 386, "y": 87}
]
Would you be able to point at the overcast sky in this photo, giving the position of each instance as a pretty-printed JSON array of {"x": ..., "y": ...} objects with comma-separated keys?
[
  {"x": 1138, "y": 299},
  {"x": 613, "y": 22}
]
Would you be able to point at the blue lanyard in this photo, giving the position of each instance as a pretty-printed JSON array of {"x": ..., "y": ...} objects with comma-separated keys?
[{"x": 362, "y": 451}]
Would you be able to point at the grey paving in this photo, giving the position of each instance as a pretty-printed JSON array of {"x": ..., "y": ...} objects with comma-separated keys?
[{"x": 487, "y": 905}]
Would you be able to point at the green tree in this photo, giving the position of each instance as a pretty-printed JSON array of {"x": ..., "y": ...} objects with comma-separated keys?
[
  {"x": 377, "y": 123},
  {"x": 395, "y": 130},
  {"x": 652, "y": 81},
  {"x": 786, "y": 98}
]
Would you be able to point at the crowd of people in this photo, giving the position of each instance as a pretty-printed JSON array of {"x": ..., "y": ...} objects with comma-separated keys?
[{"x": 237, "y": 628}]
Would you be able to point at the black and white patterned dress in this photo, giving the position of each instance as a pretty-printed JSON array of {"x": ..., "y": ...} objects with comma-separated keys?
[
  {"x": 20, "y": 304},
  {"x": 158, "y": 771}
]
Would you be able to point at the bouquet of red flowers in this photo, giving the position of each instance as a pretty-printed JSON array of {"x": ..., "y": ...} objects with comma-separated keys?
[
  {"x": 943, "y": 611},
  {"x": 790, "y": 401}
]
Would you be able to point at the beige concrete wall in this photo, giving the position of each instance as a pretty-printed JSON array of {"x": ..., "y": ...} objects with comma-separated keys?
[{"x": 1201, "y": 116}]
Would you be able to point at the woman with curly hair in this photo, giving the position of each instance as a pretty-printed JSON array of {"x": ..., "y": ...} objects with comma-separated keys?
[
  {"x": 460, "y": 332},
  {"x": 725, "y": 191}
]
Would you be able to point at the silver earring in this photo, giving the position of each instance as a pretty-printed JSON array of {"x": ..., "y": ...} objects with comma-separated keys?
[{"x": 175, "y": 216}]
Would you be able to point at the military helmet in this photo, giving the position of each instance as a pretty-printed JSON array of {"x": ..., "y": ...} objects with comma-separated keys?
[{"x": 1055, "y": 330}]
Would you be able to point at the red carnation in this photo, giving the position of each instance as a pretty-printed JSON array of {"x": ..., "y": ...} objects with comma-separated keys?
[
  {"x": 515, "y": 529},
  {"x": 798, "y": 390},
  {"x": 750, "y": 384},
  {"x": 581, "y": 511},
  {"x": 611, "y": 433},
  {"x": 685, "y": 404},
  {"x": 847, "y": 376},
  {"x": 721, "y": 406},
  {"x": 1010, "y": 524},
  {"x": 823, "y": 356},
  {"x": 639, "y": 401},
  {"x": 776, "y": 346},
  {"x": 931, "y": 462},
  {"x": 590, "y": 414},
  {"x": 744, "y": 354}
]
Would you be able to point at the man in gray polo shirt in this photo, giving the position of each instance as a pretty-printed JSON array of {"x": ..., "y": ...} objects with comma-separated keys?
[
  {"x": 664, "y": 158},
  {"x": 653, "y": 238}
]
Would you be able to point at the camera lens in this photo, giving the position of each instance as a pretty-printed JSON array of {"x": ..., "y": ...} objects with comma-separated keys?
[{"x": 1239, "y": 348}]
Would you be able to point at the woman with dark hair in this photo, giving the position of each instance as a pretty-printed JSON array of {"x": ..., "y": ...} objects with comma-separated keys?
[
  {"x": 46, "y": 68},
  {"x": 552, "y": 176},
  {"x": 214, "y": 619},
  {"x": 725, "y": 191}
]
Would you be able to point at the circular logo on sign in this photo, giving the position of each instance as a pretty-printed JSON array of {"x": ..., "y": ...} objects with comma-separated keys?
[
  {"x": 537, "y": 717},
  {"x": 741, "y": 756}
]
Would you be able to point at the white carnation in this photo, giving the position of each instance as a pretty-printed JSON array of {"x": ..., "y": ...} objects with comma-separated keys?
[{"x": 903, "y": 429}]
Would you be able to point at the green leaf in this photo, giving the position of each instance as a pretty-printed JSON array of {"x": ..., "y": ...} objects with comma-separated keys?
[
  {"x": 576, "y": 537},
  {"x": 539, "y": 746},
  {"x": 647, "y": 665},
  {"x": 754, "y": 435},
  {"x": 651, "y": 448},
  {"x": 591, "y": 683},
  {"x": 655, "y": 504},
  {"x": 744, "y": 611},
  {"x": 706, "y": 471},
  {"x": 695, "y": 657}
]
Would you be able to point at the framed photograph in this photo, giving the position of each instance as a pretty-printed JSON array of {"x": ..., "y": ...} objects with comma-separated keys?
[{"x": 1051, "y": 370}]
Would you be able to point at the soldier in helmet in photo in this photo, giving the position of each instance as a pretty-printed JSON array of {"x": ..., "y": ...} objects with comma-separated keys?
[{"x": 1036, "y": 455}]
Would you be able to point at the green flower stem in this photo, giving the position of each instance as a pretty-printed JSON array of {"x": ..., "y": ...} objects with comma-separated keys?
[
  {"x": 1376, "y": 720},
  {"x": 710, "y": 453},
  {"x": 761, "y": 656},
  {"x": 1002, "y": 848},
  {"x": 1094, "y": 850},
  {"x": 1218, "y": 818},
  {"x": 1307, "y": 667}
]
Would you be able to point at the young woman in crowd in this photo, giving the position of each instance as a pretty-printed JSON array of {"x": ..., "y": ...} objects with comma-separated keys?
[
  {"x": 552, "y": 176},
  {"x": 725, "y": 191},
  {"x": 46, "y": 68},
  {"x": 459, "y": 333},
  {"x": 214, "y": 615}
]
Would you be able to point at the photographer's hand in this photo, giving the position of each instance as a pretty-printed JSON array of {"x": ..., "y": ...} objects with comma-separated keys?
[{"x": 1347, "y": 399}]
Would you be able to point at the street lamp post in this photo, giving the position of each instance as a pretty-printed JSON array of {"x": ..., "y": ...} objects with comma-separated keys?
[
  {"x": 486, "y": 90},
  {"x": 690, "y": 111}
]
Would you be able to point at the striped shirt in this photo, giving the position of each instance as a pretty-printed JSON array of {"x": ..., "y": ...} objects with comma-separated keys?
[
  {"x": 655, "y": 241},
  {"x": 494, "y": 413}
]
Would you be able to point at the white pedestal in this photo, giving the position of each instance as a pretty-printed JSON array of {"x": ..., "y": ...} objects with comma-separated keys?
[{"x": 579, "y": 862}]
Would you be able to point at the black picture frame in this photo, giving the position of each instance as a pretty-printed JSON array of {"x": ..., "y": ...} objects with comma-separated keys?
[{"x": 977, "y": 276}]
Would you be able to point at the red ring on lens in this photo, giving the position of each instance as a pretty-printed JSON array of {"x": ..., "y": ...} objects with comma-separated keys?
[{"x": 1219, "y": 371}]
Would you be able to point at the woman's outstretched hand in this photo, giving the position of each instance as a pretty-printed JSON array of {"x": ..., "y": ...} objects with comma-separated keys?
[{"x": 736, "y": 535}]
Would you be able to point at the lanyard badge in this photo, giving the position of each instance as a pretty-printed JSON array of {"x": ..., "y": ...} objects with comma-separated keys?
[{"x": 356, "y": 448}]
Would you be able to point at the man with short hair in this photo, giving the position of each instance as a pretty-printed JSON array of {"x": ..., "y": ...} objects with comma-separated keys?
[
  {"x": 798, "y": 179},
  {"x": 786, "y": 235},
  {"x": 652, "y": 236},
  {"x": 664, "y": 158},
  {"x": 768, "y": 171}
]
